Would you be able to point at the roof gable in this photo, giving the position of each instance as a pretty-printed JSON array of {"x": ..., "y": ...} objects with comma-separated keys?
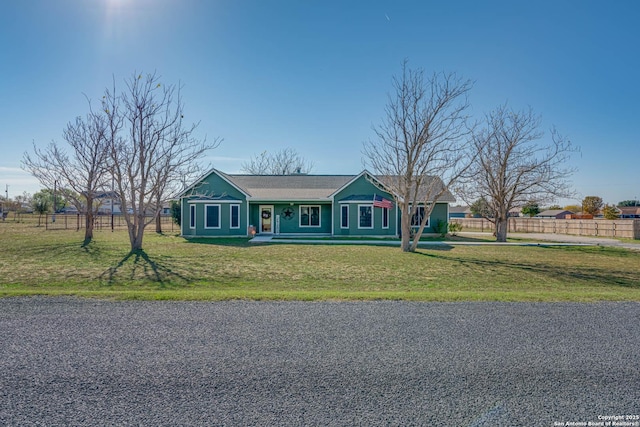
[
  {"x": 203, "y": 178},
  {"x": 353, "y": 179},
  {"x": 433, "y": 183}
]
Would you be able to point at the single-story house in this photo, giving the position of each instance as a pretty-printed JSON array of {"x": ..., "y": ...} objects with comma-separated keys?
[
  {"x": 108, "y": 202},
  {"x": 460, "y": 212},
  {"x": 515, "y": 212},
  {"x": 554, "y": 214},
  {"x": 629, "y": 211},
  {"x": 465, "y": 212},
  {"x": 225, "y": 205}
]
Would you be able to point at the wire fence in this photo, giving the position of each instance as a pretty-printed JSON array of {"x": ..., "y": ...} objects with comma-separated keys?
[{"x": 101, "y": 222}]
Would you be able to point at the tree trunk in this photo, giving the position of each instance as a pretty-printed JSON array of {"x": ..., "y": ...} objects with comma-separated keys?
[
  {"x": 420, "y": 230},
  {"x": 405, "y": 242},
  {"x": 136, "y": 243},
  {"x": 158, "y": 223},
  {"x": 88, "y": 225},
  {"x": 501, "y": 229},
  {"x": 136, "y": 232}
]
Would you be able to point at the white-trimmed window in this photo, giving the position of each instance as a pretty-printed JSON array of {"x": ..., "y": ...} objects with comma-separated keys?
[
  {"x": 211, "y": 216},
  {"x": 192, "y": 216},
  {"x": 309, "y": 216},
  {"x": 365, "y": 216},
  {"x": 344, "y": 216},
  {"x": 417, "y": 218},
  {"x": 385, "y": 218},
  {"x": 234, "y": 217}
]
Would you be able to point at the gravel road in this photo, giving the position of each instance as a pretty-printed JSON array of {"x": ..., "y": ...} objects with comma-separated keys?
[{"x": 66, "y": 361}]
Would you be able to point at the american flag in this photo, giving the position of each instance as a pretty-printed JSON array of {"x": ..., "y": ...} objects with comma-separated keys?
[{"x": 381, "y": 202}]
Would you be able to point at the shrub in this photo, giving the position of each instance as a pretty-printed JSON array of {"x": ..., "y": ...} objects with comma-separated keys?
[
  {"x": 176, "y": 212},
  {"x": 610, "y": 212},
  {"x": 442, "y": 227},
  {"x": 455, "y": 228}
]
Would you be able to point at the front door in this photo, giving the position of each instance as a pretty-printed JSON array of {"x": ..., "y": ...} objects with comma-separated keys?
[{"x": 266, "y": 219}]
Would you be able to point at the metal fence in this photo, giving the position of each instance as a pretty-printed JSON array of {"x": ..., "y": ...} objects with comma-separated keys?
[
  {"x": 622, "y": 228},
  {"x": 101, "y": 222}
]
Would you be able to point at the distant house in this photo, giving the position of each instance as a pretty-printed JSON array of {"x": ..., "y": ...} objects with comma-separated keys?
[
  {"x": 515, "y": 212},
  {"x": 554, "y": 214},
  {"x": 166, "y": 209},
  {"x": 223, "y": 205},
  {"x": 629, "y": 211},
  {"x": 460, "y": 212},
  {"x": 108, "y": 203},
  {"x": 465, "y": 212}
]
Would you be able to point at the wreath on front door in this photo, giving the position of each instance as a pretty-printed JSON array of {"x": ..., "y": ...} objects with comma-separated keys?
[{"x": 266, "y": 214}]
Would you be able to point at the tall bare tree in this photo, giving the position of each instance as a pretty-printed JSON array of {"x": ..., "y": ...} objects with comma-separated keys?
[
  {"x": 512, "y": 166},
  {"x": 149, "y": 148},
  {"x": 181, "y": 165},
  {"x": 283, "y": 162},
  {"x": 80, "y": 174},
  {"x": 421, "y": 148}
]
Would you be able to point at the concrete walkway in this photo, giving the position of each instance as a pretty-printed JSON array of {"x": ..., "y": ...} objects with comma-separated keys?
[
  {"x": 568, "y": 238},
  {"x": 537, "y": 239}
]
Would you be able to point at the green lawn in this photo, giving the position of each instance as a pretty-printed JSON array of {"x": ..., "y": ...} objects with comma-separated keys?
[{"x": 35, "y": 261}]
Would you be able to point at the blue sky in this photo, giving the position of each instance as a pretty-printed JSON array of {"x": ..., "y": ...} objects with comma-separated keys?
[{"x": 314, "y": 75}]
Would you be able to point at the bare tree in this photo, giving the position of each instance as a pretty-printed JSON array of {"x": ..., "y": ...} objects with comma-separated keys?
[
  {"x": 80, "y": 174},
  {"x": 284, "y": 162},
  {"x": 421, "y": 148},
  {"x": 182, "y": 165},
  {"x": 149, "y": 148},
  {"x": 511, "y": 167}
]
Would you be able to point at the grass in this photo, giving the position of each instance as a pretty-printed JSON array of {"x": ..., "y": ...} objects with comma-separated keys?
[
  {"x": 384, "y": 239},
  {"x": 34, "y": 261}
]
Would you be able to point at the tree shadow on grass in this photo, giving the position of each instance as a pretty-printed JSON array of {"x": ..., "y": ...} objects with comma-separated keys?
[
  {"x": 239, "y": 242},
  {"x": 86, "y": 243},
  {"x": 139, "y": 266},
  {"x": 599, "y": 276},
  {"x": 433, "y": 246}
]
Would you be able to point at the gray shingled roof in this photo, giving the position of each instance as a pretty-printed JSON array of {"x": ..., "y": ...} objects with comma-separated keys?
[
  {"x": 432, "y": 181},
  {"x": 298, "y": 187},
  {"x": 290, "y": 187},
  {"x": 554, "y": 212}
]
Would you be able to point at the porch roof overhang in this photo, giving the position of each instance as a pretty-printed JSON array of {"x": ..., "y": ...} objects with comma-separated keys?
[
  {"x": 357, "y": 198},
  {"x": 223, "y": 199}
]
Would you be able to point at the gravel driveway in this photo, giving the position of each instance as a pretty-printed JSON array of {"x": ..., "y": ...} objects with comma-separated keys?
[{"x": 87, "y": 362}]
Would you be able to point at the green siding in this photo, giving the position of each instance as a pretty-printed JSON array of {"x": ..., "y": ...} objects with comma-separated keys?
[
  {"x": 212, "y": 187},
  {"x": 440, "y": 212},
  {"x": 362, "y": 187},
  {"x": 289, "y": 214}
]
